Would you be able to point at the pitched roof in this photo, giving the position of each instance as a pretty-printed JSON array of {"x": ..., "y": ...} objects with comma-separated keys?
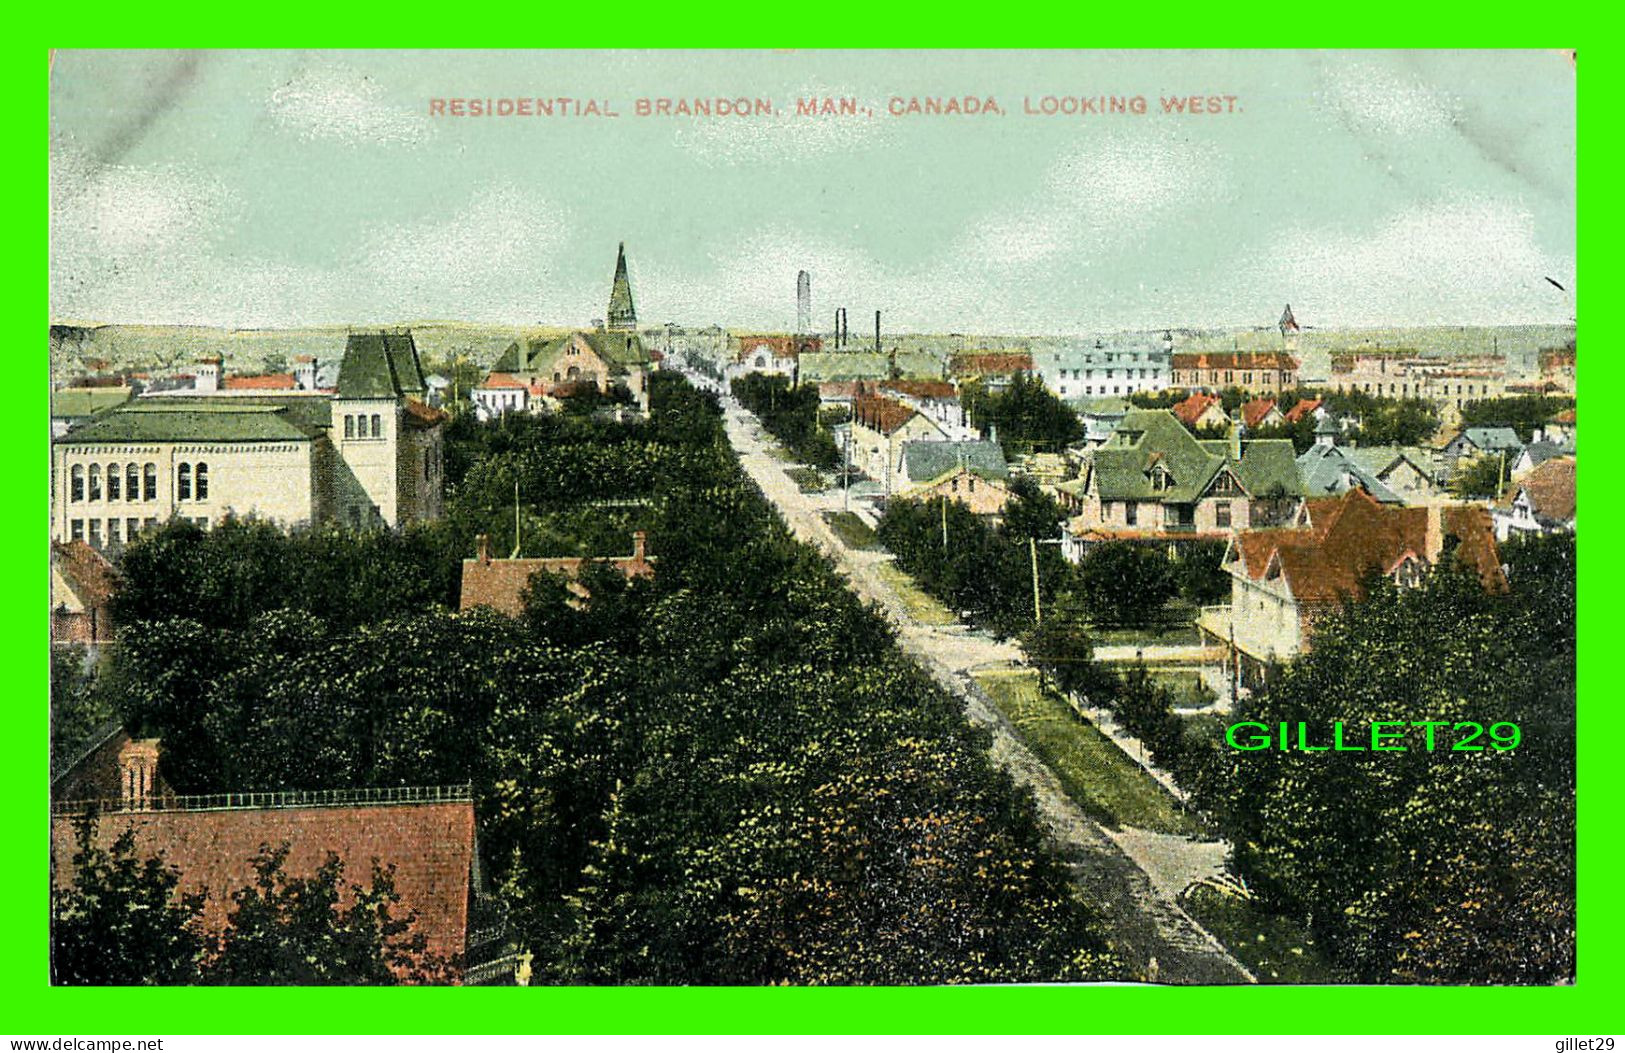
[
  {"x": 500, "y": 583},
  {"x": 924, "y": 461},
  {"x": 1190, "y": 410},
  {"x": 1542, "y": 451},
  {"x": 1330, "y": 470},
  {"x": 431, "y": 846},
  {"x": 994, "y": 363},
  {"x": 380, "y": 365},
  {"x": 1101, "y": 406},
  {"x": 1303, "y": 406},
  {"x": 193, "y": 420},
  {"x": 1492, "y": 439},
  {"x": 1379, "y": 460},
  {"x": 421, "y": 415},
  {"x": 1235, "y": 360},
  {"x": 1255, "y": 411},
  {"x": 620, "y": 351},
  {"x": 922, "y": 389},
  {"x": 1123, "y": 466},
  {"x": 621, "y": 311},
  {"x": 499, "y": 382},
  {"x": 1350, "y": 536},
  {"x": 1564, "y": 417},
  {"x": 880, "y": 413},
  {"x": 1550, "y": 490},
  {"x": 782, "y": 345},
  {"x": 87, "y": 402},
  {"x": 261, "y": 382},
  {"x": 86, "y": 572}
]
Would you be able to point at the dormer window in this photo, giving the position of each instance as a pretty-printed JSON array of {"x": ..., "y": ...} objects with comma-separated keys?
[{"x": 1160, "y": 479}]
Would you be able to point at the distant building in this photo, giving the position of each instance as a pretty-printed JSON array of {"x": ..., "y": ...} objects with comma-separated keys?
[
  {"x": 622, "y": 317},
  {"x": 1285, "y": 580},
  {"x": 926, "y": 461},
  {"x": 1473, "y": 443},
  {"x": 1448, "y": 383},
  {"x": 776, "y": 354},
  {"x": 369, "y": 454},
  {"x": 1103, "y": 368},
  {"x": 1541, "y": 502},
  {"x": 1255, "y": 372},
  {"x": 1100, "y": 417},
  {"x": 1261, "y": 413},
  {"x": 71, "y": 407},
  {"x": 803, "y": 302},
  {"x": 983, "y": 496},
  {"x": 1200, "y": 410},
  {"x": 995, "y": 369},
  {"x": 605, "y": 359}
]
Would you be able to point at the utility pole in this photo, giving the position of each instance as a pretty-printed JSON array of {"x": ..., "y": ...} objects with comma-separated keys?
[
  {"x": 1032, "y": 550},
  {"x": 846, "y": 468},
  {"x": 944, "y": 502},
  {"x": 515, "y": 515}
]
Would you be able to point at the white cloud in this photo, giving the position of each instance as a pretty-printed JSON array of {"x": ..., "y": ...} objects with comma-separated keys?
[
  {"x": 1379, "y": 101},
  {"x": 1472, "y": 260},
  {"x": 332, "y": 103}
]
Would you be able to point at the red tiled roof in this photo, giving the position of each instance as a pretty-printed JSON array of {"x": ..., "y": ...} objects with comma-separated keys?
[
  {"x": 86, "y": 571},
  {"x": 1235, "y": 360},
  {"x": 500, "y": 583},
  {"x": 1550, "y": 486},
  {"x": 922, "y": 389},
  {"x": 431, "y": 846},
  {"x": 995, "y": 363},
  {"x": 1352, "y": 535},
  {"x": 1565, "y": 417},
  {"x": 262, "y": 382},
  {"x": 1255, "y": 411},
  {"x": 423, "y": 415},
  {"x": 1303, "y": 407},
  {"x": 502, "y": 381},
  {"x": 780, "y": 344},
  {"x": 1191, "y": 409},
  {"x": 880, "y": 413}
]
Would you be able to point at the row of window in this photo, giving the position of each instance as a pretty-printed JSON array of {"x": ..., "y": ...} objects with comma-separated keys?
[
  {"x": 118, "y": 530},
  {"x": 356, "y": 426},
  {"x": 1128, "y": 374},
  {"x": 1229, "y": 378},
  {"x": 131, "y": 482},
  {"x": 1405, "y": 389},
  {"x": 1131, "y": 513},
  {"x": 135, "y": 482}
]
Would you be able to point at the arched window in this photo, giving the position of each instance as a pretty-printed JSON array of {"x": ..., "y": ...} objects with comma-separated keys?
[
  {"x": 95, "y": 482},
  {"x": 202, "y": 481},
  {"x": 183, "y": 483},
  {"x": 377, "y": 426},
  {"x": 149, "y": 482},
  {"x": 76, "y": 486},
  {"x": 132, "y": 482},
  {"x": 113, "y": 479},
  {"x": 349, "y": 426}
]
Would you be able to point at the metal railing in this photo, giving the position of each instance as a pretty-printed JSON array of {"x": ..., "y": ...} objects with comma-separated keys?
[{"x": 216, "y": 802}]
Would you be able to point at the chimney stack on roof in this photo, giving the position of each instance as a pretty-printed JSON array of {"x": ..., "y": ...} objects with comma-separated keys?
[
  {"x": 482, "y": 548},
  {"x": 640, "y": 540},
  {"x": 1433, "y": 540}
]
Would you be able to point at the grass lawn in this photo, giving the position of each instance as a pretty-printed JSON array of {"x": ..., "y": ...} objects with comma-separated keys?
[
  {"x": 1184, "y": 684},
  {"x": 810, "y": 480},
  {"x": 1098, "y": 776},
  {"x": 1173, "y": 624},
  {"x": 920, "y": 606},
  {"x": 853, "y": 531},
  {"x": 1275, "y": 949}
]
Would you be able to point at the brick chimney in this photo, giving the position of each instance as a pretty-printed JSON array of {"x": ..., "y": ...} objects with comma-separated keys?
[
  {"x": 1433, "y": 540},
  {"x": 639, "y": 540},
  {"x": 138, "y": 773},
  {"x": 482, "y": 548}
]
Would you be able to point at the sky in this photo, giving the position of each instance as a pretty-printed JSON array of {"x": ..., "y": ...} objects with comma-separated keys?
[{"x": 259, "y": 189}]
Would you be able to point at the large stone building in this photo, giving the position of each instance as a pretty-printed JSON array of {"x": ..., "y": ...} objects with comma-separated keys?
[
  {"x": 369, "y": 454},
  {"x": 1101, "y": 368},
  {"x": 1255, "y": 372},
  {"x": 1448, "y": 383}
]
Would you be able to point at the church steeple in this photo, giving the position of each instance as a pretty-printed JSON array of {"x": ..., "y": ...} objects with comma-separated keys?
[{"x": 622, "y": 315}]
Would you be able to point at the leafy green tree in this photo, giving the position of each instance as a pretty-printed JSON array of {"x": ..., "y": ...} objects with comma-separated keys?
[
  {"x": 1125, "y": 583},
  {"x": 78, "y": 708},
  {"x": 1199, "y": 574},
  {"x": 1028, "y": 416},
  {"x": 1522, "y": 413},
  {"x": 1481, "y": 477},
  {"x": 118, "y": 921},
  {"x": 1439, "y": 866}
]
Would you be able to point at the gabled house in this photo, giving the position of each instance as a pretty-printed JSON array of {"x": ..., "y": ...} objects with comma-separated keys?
[
  {"x": 925, "y": 461},
  {"x": 605, "y": 359},
  {"x": 937, "y": 399},
  {"x": 1301, "y": 409},
  {"x": 777, "y": 354},
  {"x": 1405, "y": 470},
  {"x": 82, "y": 587},
  {"x": 1200, "y": 410},
  {"x": 1261, "y": 413},
  {"x": 1100, "y": 417},
  {"x": 995, "y": 369},
  {"x": 1542, "y": 502},
  {"x": 499, "y": 393},
  {"x": 881, "y": 428},
  {"x": 1536, "y": 454},
  {"x": 1154, "y": 480},
  {"x": 1472, "y": 443},
  {"x": 1284, "y": 580},
  {"x": 1328, "y": 470},
  {"x": 982, "y": 495}
]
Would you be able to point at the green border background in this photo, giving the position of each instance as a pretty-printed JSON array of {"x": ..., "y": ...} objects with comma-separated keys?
[{"x": 34, "y": 1007}]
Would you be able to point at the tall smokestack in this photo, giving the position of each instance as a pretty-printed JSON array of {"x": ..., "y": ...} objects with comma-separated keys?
[
  {"x": 837, "y": 337},
  {"x": 803, "y": 303},
  {"x": 877, "y": 330},
  {"x": 842, "y": 342}
]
